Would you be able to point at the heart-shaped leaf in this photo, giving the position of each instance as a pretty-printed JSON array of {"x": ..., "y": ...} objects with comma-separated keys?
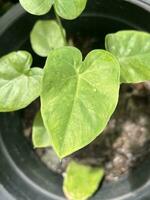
[
  {"x": 19, "y": 85},
  {"x": 40, "y": 137},
  {"x": 70, "y": 9},
  {"x": 132, "y": 48},
  {"x": 45, "y": 36},
  {"x": 81, "y": 181},
  {"x": 78, "y": 97},
  {"x": 37, "y": 7},
  {"x": 67, "y": 9}
]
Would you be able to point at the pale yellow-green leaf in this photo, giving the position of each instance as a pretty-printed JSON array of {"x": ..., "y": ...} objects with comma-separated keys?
[
  {"x": 40, "y": 136},
  {"x": 132, "y": 48},
  {"x": 19, "y": 84},
  {"x": 81, "y": 181},
  {"x": 45, "y": 36},
  {"x": 78, "y": 97},
  {"x": 37, "y": 7},
  {"x": 69, "y": 9}
]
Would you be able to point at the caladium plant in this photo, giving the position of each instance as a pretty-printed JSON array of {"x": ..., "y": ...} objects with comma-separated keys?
[{"x": 78, "y": 96}]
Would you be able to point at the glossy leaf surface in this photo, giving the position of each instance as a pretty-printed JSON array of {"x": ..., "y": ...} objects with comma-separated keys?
[
  {"x": 19, "y": 84},
  {"x": 78, "y": 97},
  {"x": 132, "y": 48},
  {"x": 81, "y": 181}
]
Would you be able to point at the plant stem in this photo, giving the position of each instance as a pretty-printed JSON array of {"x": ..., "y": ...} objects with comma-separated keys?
[{"x": 61, "y": 27}]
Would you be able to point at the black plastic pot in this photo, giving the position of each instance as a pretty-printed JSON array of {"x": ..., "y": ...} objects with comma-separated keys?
[{"x": 22, "y": 175}]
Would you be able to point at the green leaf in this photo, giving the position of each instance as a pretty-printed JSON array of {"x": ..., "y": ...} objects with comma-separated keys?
[
  {"x": 81, "y": 181},
  {"x": 37, "y": 7},
  {"x": 69, "y": 9},
  {"x": 132, "y": 48},
  {"x": 40, "y": 136},
  {"x": 19, "y": 85},
  {"x": 45, "y": 36},
  {"x": 78, "y": 97}
]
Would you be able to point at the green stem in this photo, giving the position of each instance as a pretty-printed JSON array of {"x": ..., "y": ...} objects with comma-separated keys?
[{"x": 61, "y": 27}]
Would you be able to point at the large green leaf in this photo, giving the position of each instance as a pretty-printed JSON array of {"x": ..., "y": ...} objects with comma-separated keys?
[
  {"x": 40, "y": 136},
  {"x": 45, "y": 36},
  {"x": 37, "y": 7},
  {"x": 19, "y": 85},
  {"x": 81, "y": 181},
  {"x": 69, "y": 9},
  {"x": 78, "y": 97},
  {"x": 132, "y": 48}
]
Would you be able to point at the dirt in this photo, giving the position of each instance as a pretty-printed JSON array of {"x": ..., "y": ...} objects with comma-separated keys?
[{"x": 123, "y": 144}]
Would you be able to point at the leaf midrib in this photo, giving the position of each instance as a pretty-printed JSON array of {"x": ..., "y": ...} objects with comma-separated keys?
[{"x": 78, "y": 77}]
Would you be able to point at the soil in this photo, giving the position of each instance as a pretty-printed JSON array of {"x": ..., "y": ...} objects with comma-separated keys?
[{"x": 125, "y": 142}]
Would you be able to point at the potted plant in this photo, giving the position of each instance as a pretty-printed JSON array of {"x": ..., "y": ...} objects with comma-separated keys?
[{"x": 23, "y": 176}]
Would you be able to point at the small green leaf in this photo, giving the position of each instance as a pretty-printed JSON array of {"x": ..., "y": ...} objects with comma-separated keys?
[
  {"x": 78, "y": 97},
  {"x": 81, "y": 181},
  {"x": 37, "y": 7},
  {"x": 45, "y": 36},
  {"x": 67, "y": 9},
  {"x": 40, "y": 136},
  {"x": 132, "y": 48},
  {"x": 70, "y": 9},
  {"x": 19, "y": 85}
]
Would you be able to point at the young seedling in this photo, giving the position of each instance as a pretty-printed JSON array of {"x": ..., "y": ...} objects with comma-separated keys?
[{"x": 77, "y": 96}]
